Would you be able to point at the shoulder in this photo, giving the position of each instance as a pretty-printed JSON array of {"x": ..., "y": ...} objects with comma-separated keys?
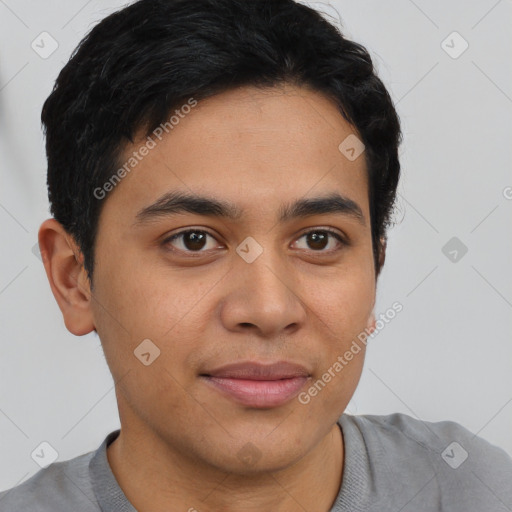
[
  {"x": 442, "y": 461},
  {"x": 437, "y": 438},
  {"x": 54, "y": 488}
]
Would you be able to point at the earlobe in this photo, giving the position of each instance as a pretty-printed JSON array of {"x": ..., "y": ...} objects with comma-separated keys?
[
  {"x": 63, "y": 263},
  {"x": 371, "y": 325}
]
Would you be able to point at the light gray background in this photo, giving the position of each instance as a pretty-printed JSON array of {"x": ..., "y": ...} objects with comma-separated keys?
[{"x": 446, "y": 356}]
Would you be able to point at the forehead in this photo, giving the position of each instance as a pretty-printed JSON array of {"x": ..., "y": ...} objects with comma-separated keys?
[{"x": 251, "y": 147}]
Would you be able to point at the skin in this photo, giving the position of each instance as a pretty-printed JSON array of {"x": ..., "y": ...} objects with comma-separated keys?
[{"x": 180, "y": 439}]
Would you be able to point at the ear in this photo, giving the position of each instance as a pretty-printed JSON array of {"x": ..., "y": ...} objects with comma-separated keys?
[
  {"x": 63, "y": 263},
  {"x": 371, "y": 324},
  {"x": 382, "y": 255}
]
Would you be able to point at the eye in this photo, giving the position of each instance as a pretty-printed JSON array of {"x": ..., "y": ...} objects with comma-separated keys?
[
  {"x": 191, "y": 240},
  {"x": 319, "y": 239},
  {"x": 196, "y": 240}
]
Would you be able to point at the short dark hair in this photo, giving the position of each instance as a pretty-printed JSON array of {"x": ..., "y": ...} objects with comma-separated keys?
[{"x": 141, "y": 62}]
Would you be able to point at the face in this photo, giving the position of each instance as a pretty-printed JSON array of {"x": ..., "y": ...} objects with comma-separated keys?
[{"x": 260, "y": 284}]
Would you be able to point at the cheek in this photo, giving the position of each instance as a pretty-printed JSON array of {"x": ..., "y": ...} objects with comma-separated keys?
[
  {"x": 343, "y": 301},
  {"x": 342, "y": 310},
  {"x": 168, "y": 308},
  {"x": 146, "y": 301}
]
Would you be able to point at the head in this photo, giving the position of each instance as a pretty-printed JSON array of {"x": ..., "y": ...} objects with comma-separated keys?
[{"x": 225, "y": 119}]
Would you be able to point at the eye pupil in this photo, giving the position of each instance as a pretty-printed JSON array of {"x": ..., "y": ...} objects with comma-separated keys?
[
  {"x": 194, "y": 240},
  {"x": 317, "y": 237}
]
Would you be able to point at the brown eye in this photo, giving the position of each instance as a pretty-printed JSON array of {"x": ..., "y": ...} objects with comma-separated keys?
[
  {"x": 319, "y": 239},
  {"x": 192, "y": 240}
]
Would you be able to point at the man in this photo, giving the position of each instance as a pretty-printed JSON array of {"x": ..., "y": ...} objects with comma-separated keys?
[{"x": 221, "y": 175}]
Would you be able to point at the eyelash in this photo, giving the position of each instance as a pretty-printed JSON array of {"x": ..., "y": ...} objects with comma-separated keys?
[{"x": 335, "y": 234}]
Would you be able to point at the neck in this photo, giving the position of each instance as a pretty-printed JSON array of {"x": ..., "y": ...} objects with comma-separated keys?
[{"x": 155, "y": 479}]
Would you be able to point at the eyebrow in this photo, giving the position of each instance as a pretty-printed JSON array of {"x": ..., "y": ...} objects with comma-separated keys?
[{"x": 180, "y": 202}]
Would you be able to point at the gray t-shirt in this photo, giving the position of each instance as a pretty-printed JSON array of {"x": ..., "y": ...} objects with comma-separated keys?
[{"x": 392, "y": 463}]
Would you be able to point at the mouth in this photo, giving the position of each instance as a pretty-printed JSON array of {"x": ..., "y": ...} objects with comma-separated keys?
[{"x": 258, "y": 385}]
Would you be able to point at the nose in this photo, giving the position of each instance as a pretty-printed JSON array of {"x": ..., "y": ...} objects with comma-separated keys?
[{"x": 263, "y": 297}]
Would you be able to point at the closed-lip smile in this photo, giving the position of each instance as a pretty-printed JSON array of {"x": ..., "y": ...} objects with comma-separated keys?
[{"x": 256, "y": 384}]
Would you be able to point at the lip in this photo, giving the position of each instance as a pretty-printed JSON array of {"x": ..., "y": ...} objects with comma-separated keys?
[
  {"x": 257, "y": 384},
  {"x": 259, "y": 371}
]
